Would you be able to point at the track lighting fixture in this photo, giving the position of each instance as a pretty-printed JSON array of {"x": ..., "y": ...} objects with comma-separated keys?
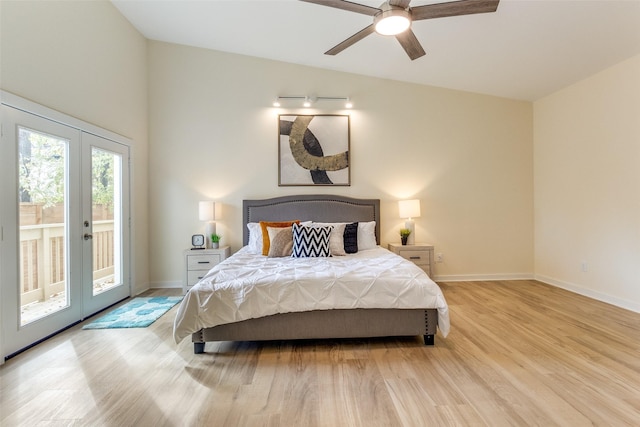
[{"x": 308, "y": 101}]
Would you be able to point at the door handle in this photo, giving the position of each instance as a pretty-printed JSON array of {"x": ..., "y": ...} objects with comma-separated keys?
[{"x": 88, "y": 236}]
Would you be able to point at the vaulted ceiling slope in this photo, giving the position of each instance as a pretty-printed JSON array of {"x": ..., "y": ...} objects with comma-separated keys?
[{"x": 526, "y": 50}]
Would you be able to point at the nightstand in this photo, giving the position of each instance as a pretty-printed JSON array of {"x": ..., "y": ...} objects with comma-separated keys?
[
  {"x": 198, "y": 262},
  {"x": 420, "y": 254}
]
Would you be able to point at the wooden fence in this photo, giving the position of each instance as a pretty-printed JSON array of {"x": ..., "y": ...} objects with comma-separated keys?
[{"x": 42, "y": 250}]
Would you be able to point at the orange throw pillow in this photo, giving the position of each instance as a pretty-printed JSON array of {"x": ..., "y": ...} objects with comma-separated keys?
[{"x": 266, "y": 243}]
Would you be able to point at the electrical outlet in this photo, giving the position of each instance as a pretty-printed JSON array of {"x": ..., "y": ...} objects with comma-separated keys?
[
  {"x": 584, "y": 266},
  {"x": 439, "y": 257}
]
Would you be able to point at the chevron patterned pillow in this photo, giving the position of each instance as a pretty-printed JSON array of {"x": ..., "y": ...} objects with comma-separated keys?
[{"x": 310, "y": 241}]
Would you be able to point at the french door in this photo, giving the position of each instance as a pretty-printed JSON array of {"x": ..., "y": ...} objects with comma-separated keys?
[{"x": 65, "y": 226}]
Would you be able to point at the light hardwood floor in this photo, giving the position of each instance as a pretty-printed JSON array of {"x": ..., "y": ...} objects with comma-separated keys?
[{"x": 519, "y": 353}]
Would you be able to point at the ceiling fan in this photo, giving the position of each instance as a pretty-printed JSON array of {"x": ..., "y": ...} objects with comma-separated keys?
[{"x": 394, "y": 18}]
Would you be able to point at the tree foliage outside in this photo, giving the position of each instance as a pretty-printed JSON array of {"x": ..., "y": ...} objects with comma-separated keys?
[
  {"x": 102, "y": 164},
  {"x": 41, "y": 163},
  {"x": 42, "y": 171}
]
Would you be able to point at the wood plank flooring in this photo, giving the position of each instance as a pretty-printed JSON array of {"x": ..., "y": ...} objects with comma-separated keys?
[{"x": 519, "y": 353}]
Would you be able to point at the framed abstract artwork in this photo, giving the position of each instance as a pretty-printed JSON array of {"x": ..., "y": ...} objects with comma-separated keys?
[{"x": 313, "y": 150}]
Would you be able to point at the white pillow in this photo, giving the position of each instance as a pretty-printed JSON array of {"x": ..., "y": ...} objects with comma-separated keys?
[
  {"x": 336, "y": 238},
  {"x": 366, "y": 235},
  {"x": 255, "y": 237}
]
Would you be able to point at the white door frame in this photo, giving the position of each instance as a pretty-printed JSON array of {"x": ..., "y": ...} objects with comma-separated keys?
[
  {"x": 27, "y": 106},
  {"x": 90, "y": 302},
  {"x": 16, "y": 334}
]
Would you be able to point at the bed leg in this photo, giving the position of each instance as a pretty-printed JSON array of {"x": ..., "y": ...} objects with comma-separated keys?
[
  {"x": 429, "y": 340},
  {"x": 198, "y": 347}
]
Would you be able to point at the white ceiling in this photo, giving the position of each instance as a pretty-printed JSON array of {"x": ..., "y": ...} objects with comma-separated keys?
[{"x": 526, "y": 50}]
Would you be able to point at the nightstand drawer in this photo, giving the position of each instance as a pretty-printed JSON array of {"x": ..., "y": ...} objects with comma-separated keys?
[
  {"x": 421, "y": 254},
  {"x": 199, "y": 262},
  {"x": 202, "y": 262},
  {"x": 417, "y": 257},
  {"x": 194, "y": 276},
  {"x": 426, "y": 268}
]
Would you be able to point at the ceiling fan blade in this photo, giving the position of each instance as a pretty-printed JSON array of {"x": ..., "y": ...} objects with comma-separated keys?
[
  {"x": 401, "y": 3},
  {"x": 351, "y": 40},
  {"x": 454, "y": 8},
  {"x": 411, "y": 45},
  {"x": 346, "y": 5}
]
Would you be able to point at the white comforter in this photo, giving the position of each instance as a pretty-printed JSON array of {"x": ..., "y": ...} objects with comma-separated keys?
[{"x": 246, "y": 286}]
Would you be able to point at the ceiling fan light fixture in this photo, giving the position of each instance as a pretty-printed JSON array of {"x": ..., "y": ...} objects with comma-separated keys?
[{"x": 392, "y": 21}]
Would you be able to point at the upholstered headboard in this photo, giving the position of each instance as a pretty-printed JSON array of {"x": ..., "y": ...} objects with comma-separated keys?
[{"x": 321, "y": 208}]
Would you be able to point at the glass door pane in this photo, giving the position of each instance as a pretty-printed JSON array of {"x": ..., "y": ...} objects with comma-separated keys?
[
  {"x": 43, "y": 224},
  {"x": 107, "y": 220}
]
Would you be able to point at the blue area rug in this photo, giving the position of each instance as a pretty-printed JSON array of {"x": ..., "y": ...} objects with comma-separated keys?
[{"x": 138, "y": 313}]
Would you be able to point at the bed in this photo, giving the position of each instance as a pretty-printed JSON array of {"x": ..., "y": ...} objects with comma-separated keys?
[{"x": 420, "y": 310}]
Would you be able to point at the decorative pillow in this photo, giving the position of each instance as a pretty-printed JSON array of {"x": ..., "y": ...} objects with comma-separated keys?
[
  {"x": 310, "y": 241},
  {"x": 281, "y": 239},
  {"x": 255, "y": 237},
  {"x": 367, "y": 235},
  {"x": 351, "y": 238},
  {"x": 265, "y": 234},
  {"x": 336, "y": 239}
]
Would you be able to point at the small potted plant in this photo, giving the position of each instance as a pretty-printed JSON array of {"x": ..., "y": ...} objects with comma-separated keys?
[
  {"x": 215, "y": 241},
  {"x": 404, "y": 235}
]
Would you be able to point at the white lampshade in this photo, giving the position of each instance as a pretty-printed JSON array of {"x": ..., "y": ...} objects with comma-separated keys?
[
  {"x": 409, "y": 208},
  {"x": 207, "y": 211}
]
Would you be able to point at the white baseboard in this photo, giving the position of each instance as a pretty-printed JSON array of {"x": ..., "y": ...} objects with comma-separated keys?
[
  {"x": 139, "y": 288},
  {"x": 481, "y": 277},
  {"x": 165, "y": 285},
  {"x": 618, "y": 302}
]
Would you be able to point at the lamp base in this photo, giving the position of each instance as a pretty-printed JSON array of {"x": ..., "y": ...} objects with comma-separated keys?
[
  {"x": 411, "y": 226},
  {"x": 209, "y": 230}
]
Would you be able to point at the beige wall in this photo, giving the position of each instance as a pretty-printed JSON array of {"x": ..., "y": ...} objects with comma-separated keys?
[
  {"x": 84, "y": 59},
  {"x": 213, "y": 136},
  {"x": 587, "y": 186}
]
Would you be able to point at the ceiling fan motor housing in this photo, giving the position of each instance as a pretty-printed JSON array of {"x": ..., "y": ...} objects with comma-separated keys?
[{"x": 391, "y": 20}]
